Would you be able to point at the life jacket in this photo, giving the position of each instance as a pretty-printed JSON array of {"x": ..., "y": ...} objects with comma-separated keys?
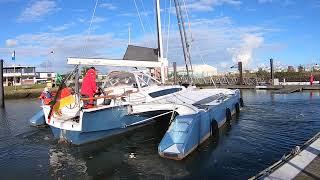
[{"x": 46, "y": 97}]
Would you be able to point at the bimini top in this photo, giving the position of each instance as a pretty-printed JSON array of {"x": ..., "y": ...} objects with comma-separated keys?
[{"x": 139, "y": 53}]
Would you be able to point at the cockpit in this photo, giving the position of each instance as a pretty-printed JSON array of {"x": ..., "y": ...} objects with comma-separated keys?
[{"x": 121, "y": 81}]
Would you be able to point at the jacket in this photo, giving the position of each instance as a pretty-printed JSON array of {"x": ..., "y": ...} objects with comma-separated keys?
[{"x": 89, "y": 86}]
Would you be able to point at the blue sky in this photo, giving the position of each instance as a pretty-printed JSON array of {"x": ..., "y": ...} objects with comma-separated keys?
[{"x": 223, "y": 31}]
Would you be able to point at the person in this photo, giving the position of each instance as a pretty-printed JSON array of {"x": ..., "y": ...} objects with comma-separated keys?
[
  {"x": 46, "y": 96},
  {"x": 89, "y": 87},
  {"x": 311, "y": 79}
]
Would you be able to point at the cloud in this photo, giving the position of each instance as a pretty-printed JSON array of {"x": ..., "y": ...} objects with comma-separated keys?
[
  {"x": 11, "y": 42},
  {"x": 244, "y": 53},
  {"x": 98, "y": 19},
  {"x": 219, "y": 41},
  {"x": 283, "y": 2},
  {"x": 208, "y": 5},
  {"x": 37, "y": 10},
  {"x": 108, "y": 6},
  {"x": 39, "y": 47},
  {"x": 62, "y": 27}
]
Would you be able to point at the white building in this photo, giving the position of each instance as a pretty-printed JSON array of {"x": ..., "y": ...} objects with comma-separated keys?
[
  {"x": 42, "y": 77},
  {"x": 199, "y": 70},
  {"x": 18, "y": 75}
]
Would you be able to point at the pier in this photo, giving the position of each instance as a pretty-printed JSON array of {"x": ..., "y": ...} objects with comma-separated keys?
[{"x": 302, "y": 163}]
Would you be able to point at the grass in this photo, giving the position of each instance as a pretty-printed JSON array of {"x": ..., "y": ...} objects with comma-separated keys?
[{"x": 24, "y": 91}]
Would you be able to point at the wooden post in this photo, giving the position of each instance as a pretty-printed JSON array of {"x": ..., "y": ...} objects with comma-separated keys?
[
  {"x": 1, "y": 85},
  {"x": 240, "y": 82},
  {"x": 174, "y": 72},
  {"x": 271, "y": 71}
]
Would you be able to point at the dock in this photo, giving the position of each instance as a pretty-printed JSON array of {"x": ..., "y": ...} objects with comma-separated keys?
[
  {"x": 302, "y": 163},
  {"x": 288, "y": 90}
]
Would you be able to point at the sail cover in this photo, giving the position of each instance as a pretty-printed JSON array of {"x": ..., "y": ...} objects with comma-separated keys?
[{"x": 139, "y": 53}]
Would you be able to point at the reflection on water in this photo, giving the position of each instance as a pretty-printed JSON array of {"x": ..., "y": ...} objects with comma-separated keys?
[{"x": 267, "y": 127}]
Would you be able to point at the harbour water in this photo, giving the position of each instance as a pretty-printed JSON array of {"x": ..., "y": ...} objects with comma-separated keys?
[{"x": 269, "y": 126}]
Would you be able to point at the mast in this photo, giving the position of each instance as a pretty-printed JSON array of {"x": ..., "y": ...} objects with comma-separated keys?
[
  {"x": 159, "y": 33},
  {"x": 185, "y": 37},
  {"x": 182, "y": 37},
  {"x": 160, "y": 47}
]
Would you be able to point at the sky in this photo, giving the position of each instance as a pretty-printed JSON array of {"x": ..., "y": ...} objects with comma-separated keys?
[{"x": 43, "y": 33}]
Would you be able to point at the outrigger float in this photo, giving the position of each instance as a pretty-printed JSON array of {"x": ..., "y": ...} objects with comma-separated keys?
[{"x": 135, "y": 98}]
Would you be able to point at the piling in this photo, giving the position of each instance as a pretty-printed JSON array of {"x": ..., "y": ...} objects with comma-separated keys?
[
  {"x": 174, "y": 72},
  {"x": 240, "y": 81},
  {"x": 271, "y": 72},
  {"x": 1, "y": 85}
]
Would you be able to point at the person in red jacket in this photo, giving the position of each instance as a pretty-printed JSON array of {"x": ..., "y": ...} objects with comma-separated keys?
[
  {"x": 89, "y": 87},
  {"x": 311, "y": 79}
]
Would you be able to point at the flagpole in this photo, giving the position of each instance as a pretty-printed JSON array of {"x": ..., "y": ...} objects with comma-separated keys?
[
  {"x": 14, "y": 76},
  {"x": 14, "y": 70}
]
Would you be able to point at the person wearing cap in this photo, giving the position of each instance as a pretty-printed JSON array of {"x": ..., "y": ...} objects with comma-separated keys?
[{"x": 89, "y": 87}]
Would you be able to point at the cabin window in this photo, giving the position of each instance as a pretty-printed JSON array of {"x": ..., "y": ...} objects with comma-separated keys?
[{"x": 164, "y": 92}]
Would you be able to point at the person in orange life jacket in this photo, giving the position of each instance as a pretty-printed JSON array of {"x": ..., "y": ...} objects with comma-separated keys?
[
  {"x": 46, "y": 96},
  {"x": 89, "y": 87}
]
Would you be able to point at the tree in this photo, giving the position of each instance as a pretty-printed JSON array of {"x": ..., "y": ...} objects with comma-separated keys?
[
  {"x": 262, "y": 73},
  {"x": 301, "y": 68}
]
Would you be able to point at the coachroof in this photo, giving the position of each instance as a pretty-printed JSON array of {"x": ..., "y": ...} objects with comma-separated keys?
[{"x": 139, "y": 53}]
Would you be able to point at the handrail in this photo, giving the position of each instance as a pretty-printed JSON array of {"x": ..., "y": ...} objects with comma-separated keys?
[{"x": 100, "y": 97}]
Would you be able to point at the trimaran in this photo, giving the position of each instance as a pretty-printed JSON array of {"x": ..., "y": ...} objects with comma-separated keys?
[{"x": 135, "y": 98}]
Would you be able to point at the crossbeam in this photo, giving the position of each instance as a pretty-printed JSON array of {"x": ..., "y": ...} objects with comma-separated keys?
[{"x": 113, "y": 62}]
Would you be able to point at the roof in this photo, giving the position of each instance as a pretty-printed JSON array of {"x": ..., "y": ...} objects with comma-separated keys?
[
  {"x": 139, "y": 53},
  {"x": 9, "y": 67}
]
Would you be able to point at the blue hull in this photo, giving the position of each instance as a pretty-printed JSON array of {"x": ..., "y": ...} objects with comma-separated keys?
[
  {"x": 188, "y": 131},
  {"x": 78, "y": 137},
  {"x": 101, "y": 124},
  {"x": 38, "y": 119}
]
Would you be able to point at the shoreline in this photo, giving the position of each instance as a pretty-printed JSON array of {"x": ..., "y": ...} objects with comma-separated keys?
[{"x": 22, "y": 93}]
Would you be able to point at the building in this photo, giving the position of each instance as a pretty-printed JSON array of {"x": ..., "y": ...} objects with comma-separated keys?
[
  {"x": 291, "y": 69},
  {"x": 199, "y": 70},
  {"x": 19, "y": 75},
  {"x": 42, "y": 77}
]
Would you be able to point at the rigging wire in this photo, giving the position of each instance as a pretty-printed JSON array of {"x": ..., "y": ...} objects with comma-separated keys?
[
  {"x": 187, "y": 44},
  {"x": 191, "y": 36},
  {"x": 187, "y": 15},
  {"x": 183, "y": 43},
  {"x": 89, "y": 29},
  {"x": 135, "y": 4},
  {"x": 147, "y": 18}
]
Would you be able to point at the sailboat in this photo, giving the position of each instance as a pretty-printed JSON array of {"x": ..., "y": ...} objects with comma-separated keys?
[{"x": 132, "y": 99}]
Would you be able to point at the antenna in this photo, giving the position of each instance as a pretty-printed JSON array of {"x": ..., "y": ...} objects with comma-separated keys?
[{"x": 129, "y": 34}]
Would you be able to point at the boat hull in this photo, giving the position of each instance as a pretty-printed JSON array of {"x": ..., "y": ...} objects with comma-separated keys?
[
  {"x": 188, "y": 131},
  {"x": 101, "y": 124}
]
